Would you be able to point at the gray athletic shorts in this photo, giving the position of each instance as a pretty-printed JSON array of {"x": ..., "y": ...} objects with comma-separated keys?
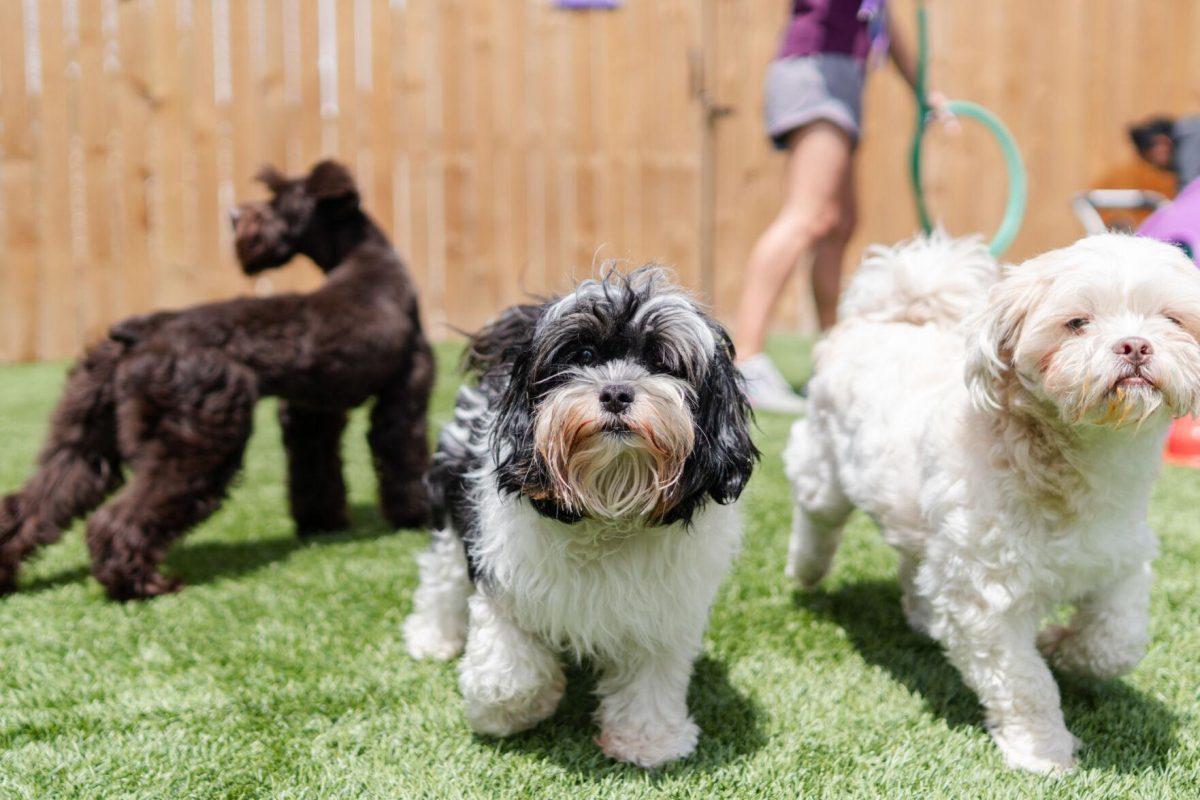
[{"x": 805, "y": 89}]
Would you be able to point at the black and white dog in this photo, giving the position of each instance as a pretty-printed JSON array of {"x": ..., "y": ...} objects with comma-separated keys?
[{"x": 584, "y": 504}]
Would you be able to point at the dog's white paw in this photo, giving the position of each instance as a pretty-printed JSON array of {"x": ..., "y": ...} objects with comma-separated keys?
[
  {"x": 519, "y": 710},
  {"x": 1047, "y": 755},
  {"x": 424, "y": 638},
  {"x": 649, "y": 748},
  {"x": 806, "y": 571}
]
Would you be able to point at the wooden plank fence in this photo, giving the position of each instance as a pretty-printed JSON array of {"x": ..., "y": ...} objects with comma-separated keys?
[{"x": 506, "y": 145}]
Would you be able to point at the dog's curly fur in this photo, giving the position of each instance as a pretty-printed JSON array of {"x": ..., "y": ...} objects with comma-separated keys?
[
  {"x": 170, "y": 396},
  {"x": 1004, "y": 428}
]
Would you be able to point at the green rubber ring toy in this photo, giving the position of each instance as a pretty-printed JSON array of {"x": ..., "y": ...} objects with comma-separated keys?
[{"x": 1018, "y": 183}]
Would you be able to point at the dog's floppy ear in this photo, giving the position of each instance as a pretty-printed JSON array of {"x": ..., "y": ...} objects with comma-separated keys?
[
  {"x": 330, "y": 181},
  {"x": 500, "y": 340},
  {"x": 994, "y": 334},
  {"x": 505, "y": 346},
  {"x": 272, "y": 178},
  {"x": 724, "y": 457}
]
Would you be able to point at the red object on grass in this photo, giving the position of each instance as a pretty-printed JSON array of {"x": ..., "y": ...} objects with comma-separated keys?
[{"x": 1183, "y": 443}]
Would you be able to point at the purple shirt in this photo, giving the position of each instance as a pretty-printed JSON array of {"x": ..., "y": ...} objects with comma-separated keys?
[{"x": 826, "y": 26}]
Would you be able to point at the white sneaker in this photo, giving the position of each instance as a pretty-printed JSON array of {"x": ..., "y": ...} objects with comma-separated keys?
[{"x": 766, "y": 387}]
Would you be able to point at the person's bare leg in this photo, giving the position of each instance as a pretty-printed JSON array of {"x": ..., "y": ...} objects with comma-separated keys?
[
  {"x": 829, "y": 255},
  {"x": 819, "y": 157}
]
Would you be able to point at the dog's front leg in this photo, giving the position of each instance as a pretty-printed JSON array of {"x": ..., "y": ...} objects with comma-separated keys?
[
  {"x": 437, "y": 626},
  {"x": 999, "y": 661},
  {"x": 509, "y": 679},
  {"x": 316, "y": 490},
  {"x": 643, "y": 712},
  {"x": 1109, "y": 632}
]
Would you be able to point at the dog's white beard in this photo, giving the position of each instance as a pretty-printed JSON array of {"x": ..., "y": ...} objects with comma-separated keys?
[
  {"x": 631, "y": 476},
  {"x": 1096, "y": 401},
  {"x": 1084, "y": 386}
]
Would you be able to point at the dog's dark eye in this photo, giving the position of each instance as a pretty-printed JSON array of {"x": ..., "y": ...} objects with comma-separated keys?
[
  {"x": 1078, "y": 324},
  {"x": 1174, "y": 320},
  {"x": 657, "y": 361},
  {"x": 585, "y": 356}
]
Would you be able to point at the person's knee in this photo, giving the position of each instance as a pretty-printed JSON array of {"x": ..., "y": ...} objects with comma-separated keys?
[
  {"x": 839, "y": 226},
  {"x": 847, "y": 223},
  {"x": 811, "y": 224}
]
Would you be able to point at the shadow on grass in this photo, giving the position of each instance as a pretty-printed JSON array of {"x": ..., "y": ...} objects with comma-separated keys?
[
  {"x": 1124, "y": 730},
  {"x": 728, "y": 720},
  {"x": 203, "y": 562},
  {"x": 44, "y": 584}
]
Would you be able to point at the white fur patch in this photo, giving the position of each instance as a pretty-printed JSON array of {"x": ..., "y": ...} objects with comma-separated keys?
[
  {"x": 634, "y": 600},
  {"x": 437, "y": 626},
  {"x": 604, "y": 591}
]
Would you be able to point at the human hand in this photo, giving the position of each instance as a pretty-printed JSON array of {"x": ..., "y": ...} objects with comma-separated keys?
[{"x": 939, "y": 110}]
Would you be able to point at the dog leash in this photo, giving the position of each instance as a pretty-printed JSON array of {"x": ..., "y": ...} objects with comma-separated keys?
[{"x": 1014, "y": 210}]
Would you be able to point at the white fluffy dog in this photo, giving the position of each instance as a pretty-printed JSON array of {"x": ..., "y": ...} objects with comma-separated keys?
[
  {"x": 584, "y": 499},
  {"x": 1025, "y": 486}
]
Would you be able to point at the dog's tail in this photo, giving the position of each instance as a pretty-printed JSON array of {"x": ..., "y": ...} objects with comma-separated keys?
[
  {"x": 78, "y": 467},
  {"x": 928, "y": 279}
]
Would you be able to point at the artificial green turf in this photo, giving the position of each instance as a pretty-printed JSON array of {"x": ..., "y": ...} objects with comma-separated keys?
[{"x": 280, "y": 671}]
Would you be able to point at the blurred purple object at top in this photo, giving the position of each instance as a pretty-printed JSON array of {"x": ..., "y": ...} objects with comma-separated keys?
[{"x": 1178, "y": 222}]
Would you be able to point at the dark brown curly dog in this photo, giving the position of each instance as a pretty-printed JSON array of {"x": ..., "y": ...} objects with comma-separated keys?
[{"x": 170, "y": 396}]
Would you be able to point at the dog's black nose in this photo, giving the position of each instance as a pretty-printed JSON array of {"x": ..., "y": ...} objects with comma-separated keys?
[
  {"x": 616, "y": 397},
  {"x": 1134, "y": 349}
]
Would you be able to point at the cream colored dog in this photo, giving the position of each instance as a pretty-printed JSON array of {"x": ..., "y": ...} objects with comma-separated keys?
[{"x": 1024, "y": 486}]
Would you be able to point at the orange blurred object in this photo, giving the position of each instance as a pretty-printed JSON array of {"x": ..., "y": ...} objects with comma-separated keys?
[
  {"x": 1183, "y": 443},
  {"x": 1134, "y": 174}
]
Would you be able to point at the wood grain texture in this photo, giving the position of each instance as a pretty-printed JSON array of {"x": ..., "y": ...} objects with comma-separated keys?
[{"x": 508, "y": 146}]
